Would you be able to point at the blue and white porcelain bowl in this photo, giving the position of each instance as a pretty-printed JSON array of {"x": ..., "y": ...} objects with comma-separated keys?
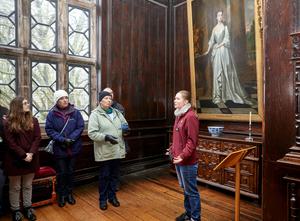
[{"x": 215, "y": 131}]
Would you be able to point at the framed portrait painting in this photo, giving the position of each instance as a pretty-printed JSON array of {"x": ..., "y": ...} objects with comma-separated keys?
[{"x": 225, "y": 48}]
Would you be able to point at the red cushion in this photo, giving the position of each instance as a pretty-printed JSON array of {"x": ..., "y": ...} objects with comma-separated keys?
[{"x": 44, "y": 172}]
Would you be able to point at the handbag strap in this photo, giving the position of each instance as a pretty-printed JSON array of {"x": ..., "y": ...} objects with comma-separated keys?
[{"x": 62, "y": 130}]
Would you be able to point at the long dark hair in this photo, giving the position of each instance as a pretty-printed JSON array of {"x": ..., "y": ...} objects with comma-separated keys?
[{"x": 18, "y": 120}]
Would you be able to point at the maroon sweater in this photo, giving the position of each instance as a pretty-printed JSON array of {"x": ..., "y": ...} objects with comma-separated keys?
[
  {"x": 18, "y": 144},
  {"x": 185, "y": 137}
]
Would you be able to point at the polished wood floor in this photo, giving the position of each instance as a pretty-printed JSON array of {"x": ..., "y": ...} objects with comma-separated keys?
[{"x": 150, "y": 195}]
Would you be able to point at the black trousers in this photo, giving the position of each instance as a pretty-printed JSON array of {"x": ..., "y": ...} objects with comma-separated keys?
[
  {"x": 64, "y": 175},
  {"x": 108, "y": 179}
]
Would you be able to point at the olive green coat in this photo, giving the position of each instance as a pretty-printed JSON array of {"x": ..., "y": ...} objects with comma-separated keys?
[{"x": 101, "y": 124}]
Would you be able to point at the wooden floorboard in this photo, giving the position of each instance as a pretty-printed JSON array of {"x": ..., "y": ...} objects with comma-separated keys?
[{"x": 152, "y": 195}]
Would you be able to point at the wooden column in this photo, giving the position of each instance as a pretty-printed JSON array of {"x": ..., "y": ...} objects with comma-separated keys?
[{"x": 293, "y": 156}]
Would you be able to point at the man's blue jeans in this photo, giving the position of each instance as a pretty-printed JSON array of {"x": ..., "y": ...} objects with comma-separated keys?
[{"x": 187, "y": 177}]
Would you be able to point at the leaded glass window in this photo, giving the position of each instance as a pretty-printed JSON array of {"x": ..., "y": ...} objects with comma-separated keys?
[
  {"x": 43, "y": 85},
  {"x": 79, "y": 89},
  {"x": 8, "y": 22},
  {"x": 7, "y": 81},
  {"x": 79, "y": 32},
  {"x": 47, "y": 45},
  {"x": 43, "y": 25}
]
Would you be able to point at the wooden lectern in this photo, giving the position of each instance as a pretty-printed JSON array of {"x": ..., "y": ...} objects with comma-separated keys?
[{"x": 234, "y": 159}]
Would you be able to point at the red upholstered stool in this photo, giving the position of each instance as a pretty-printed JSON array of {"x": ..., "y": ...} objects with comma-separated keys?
[{"x": 43, "y": 191}]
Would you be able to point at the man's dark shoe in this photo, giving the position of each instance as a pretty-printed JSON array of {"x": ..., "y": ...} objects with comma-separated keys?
[
  {"x": 61, "y": 201},
  {"x": 183, "y": 217},
  {"x": 17, "y": 215},
  {"x": 29, "y": 214},
  {"x": 114, "y": 201},
  {"x": 103, "y": 206},
  {"x": 70, "y": 199}
]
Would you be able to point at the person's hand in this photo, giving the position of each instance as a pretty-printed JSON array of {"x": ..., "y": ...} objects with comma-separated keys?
[
  {"x": 28, "y": 157},
  {"x": 169, "y": 153},
  {"x": 110, "y": 138},
  {"x": 205, "y": 53},
  {"x": 220, "y": 45},
  {"x": 177, "y": 160},
  {"x": 68, "y": 141}
]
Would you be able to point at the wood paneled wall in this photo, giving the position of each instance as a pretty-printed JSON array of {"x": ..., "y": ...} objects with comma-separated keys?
[
  {"x": 279, "y": 172},
  {"x": 179, "y": 48},
  {"x": 135, "y": 64},
  {"x": 135, "y": 56}
]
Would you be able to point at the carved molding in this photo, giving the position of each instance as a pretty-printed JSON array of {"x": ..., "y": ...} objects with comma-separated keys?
[
  {"x": 296, "y": 48},
  {"x": 293, "y": 197}
]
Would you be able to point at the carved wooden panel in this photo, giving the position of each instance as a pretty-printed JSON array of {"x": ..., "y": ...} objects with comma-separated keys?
[
  {"x": 248, "y": 173},
  {"x": 211, "y": 151},
  {"x": 229, "y": 147},
  {"x": 207, "y": 162},
  {"x": 292, "y": 198},
  {"x": 210, "y": 145}
]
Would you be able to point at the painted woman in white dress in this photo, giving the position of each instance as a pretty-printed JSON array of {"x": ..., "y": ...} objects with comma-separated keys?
[{"x": 226, "y": 84}]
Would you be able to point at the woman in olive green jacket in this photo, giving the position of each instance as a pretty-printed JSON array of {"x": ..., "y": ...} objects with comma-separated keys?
[{"x": 106, "y": 127}]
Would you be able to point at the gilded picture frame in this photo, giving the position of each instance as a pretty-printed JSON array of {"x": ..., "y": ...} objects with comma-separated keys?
[{"x": 225, "y": 51}]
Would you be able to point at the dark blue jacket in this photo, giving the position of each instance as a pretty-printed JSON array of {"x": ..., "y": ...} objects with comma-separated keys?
[{"x": 55, "y": 122}]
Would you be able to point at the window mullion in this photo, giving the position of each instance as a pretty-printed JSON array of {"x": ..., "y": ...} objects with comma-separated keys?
[
  {"x": 62, "y": 43},
  {"x": 23, "y": 31}
]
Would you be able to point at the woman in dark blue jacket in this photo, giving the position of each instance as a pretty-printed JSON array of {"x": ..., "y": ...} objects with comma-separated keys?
[{"x": 67, "y": 143}]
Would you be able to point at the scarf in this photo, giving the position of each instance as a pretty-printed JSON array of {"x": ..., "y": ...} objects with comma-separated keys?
[{"x": 183, "y": 110}]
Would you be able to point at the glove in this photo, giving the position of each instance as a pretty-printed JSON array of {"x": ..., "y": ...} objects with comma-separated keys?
[
  {"x": 111, "y": 139},
  {"x": 68, "y": 142}
]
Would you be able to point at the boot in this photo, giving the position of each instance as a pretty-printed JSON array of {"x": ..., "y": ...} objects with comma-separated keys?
[
  {"x": 103, "y": 205},
  {"x": 17, "y": 215},
  {"x": 61, "y": 201},
  {"x": 70, "y": 199},
  {"x": 29, "y": 213},
  {"x": 183, "y": 217},
  {"x": 114, "y": 201}
]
